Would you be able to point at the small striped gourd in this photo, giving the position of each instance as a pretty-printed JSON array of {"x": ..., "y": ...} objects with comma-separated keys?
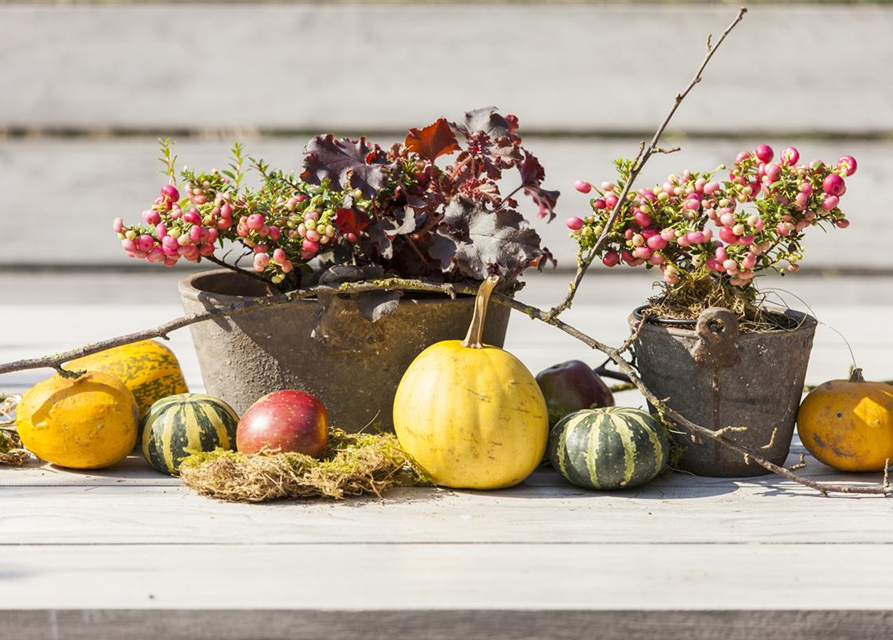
[
  {"x": 609, "y": 448},
  {"x": 178, "y": 425},
  {"x": 148, "y": 368}
]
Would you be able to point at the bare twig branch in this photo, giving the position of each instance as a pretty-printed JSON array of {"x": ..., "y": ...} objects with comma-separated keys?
[{"x": 643, "y": 156}]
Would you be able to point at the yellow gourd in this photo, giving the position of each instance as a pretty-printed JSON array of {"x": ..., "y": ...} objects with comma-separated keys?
[
  {"x": 148, "y": 368},
  {"x": 471, "y": 415},
  {"x": 88, "y": 422},
  {"x": 848, "y": 424}
]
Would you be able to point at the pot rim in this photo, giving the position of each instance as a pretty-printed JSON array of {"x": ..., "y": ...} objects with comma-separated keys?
[
  {"x": 805, "y": 322},
  {"x": 188, "y": 289}
]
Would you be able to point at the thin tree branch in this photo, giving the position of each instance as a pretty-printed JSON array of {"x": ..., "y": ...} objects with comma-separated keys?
[
  {"x": 57, "y": 360},
  {"x": 641, "y": 158}
]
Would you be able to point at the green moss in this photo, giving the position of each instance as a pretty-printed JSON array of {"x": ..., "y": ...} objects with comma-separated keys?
[{"x": 353, "y": 464}]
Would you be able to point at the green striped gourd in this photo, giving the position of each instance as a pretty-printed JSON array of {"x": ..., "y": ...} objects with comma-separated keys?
[
  {"x": 609, "y": 448},
  {"x": 186, "y": 422}
]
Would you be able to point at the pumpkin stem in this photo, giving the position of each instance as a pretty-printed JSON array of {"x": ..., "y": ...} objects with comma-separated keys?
[
  {"x": 476, "y": 329},
  {"x": 856, "y": 376}
]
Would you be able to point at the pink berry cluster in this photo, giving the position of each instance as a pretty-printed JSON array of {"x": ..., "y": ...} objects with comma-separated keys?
[
  {"x": 694, "y": 226},
  {"x": 281, "y": 223},
  {"x": 169, "y": 232}
]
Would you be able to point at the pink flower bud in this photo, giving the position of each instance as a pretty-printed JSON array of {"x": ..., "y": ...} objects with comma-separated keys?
[
  {"x": 261, "y": 260},
  {"x": 150, "y": 216},
  {"x": 582, "y": 187},
  {"x": 598, "y": 204},
  {"x": 642, "y": 219},
  {"x": 830, "y": 202},
  {"x": 833, "y": 185},
  {"x": 574, "y": 223},
  {"x": 765, "y": 153},
  {"x": 170, "y": 192},
  {"x": 118, "y": 225},
  {"x": 848, "y": 163},
  {"x": 790, "y": 156},
  {"x": 255, "y": 221},
  {"x": 727, "y": 235},
  {"x": 657, "y": 243},
  {"x": 145, "y": 243}
]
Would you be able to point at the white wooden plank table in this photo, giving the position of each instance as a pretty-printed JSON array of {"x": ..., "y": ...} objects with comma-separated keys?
[{"x": 128, "y": 553}]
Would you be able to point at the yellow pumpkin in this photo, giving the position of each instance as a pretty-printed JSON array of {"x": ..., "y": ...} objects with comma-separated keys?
[
  {"x": 471, "y": 415},
  {"x": 88, "y": 422},
  {"x": 148, "y": 368},
  {"x": 848, "y": 424}
]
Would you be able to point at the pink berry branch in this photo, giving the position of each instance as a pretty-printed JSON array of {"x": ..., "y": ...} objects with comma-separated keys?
[
  {"x": 697, "y": 229},
  {"x": 616, "y": 202},
  {"x": 57, "y": 361}
]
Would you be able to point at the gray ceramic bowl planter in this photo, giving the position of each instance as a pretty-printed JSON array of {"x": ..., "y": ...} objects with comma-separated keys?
[
  {"x": 717, "y": 377},
  {"x": 331, "y": 351}
]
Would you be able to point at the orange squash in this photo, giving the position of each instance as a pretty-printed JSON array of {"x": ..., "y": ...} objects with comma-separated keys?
[
  {"x": 88, "y": 422},
  {"x": 148, "y": 368},
  {"x": 848, "y": 424}
]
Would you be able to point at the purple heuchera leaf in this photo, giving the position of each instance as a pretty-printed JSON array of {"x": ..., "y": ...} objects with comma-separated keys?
[
  {"x": 487, "y": 120},
  {"x": 384, "y": 231},
  {"x": 347, "y": 164},
  {"x": 477, "y": 242}
]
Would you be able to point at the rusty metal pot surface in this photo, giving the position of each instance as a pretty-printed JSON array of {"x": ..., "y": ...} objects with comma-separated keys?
[
  {"x": 328, "y": 349},
  {"x": 717, "y": 377}
]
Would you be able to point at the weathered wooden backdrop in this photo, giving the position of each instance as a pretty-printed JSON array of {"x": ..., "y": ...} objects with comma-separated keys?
[{"x": 86, "y": 89}]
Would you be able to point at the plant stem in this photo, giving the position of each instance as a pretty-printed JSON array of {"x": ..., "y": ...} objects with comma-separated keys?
[
  {"x": 641, "y": 158},
  {"x": 473, "y": 340}
]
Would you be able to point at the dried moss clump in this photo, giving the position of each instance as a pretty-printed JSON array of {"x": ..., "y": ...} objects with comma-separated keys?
[
  {"x": 354, "y": 464},
  {"x": 688, "y": 299},
  {"x": 11, "y": 450}
]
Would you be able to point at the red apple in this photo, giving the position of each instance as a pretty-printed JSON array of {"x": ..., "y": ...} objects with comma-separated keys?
[
  {"x": 287, "y": 420},
  {"x": 571, "y": 386}
]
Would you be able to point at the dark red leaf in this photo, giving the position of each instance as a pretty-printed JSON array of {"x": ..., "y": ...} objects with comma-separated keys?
[
  {"x": 532, "y": 176},
  {"x": 433, "y": 141},
  {"x": 351, "y": 221}
]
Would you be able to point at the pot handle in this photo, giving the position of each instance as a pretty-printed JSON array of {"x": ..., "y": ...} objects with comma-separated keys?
[{"x": 717, "y": 334}]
